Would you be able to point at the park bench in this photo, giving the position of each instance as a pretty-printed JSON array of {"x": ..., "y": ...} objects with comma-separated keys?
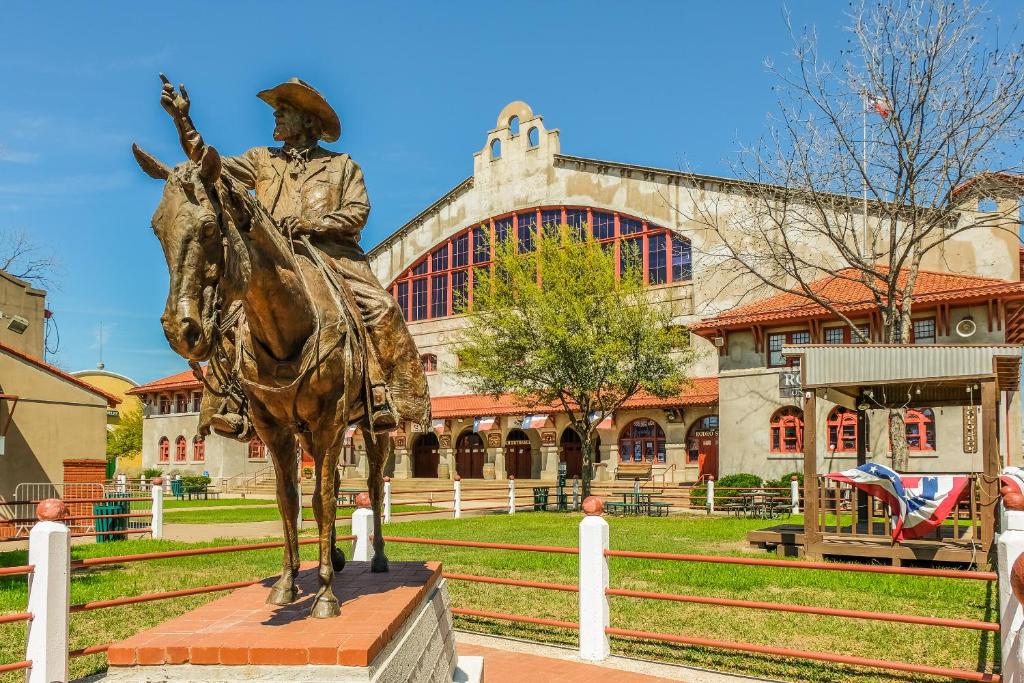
[{"x": 658, "y": 509}]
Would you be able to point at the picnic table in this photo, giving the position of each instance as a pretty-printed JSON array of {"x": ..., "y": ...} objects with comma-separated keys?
[
  {"x": 348, "y": 495},
  {"x": 761, "y": 505},
  {"x": 203, "y": 492},
  {"x": 635, "y": 503}
]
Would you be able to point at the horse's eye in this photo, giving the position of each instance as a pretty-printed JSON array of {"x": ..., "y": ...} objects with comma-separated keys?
[{"x": 208, "y": 230}]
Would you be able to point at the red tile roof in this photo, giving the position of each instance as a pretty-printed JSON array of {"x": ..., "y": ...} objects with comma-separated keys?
[
  {"x": 702, "y": 391},
  {"x": 851, "y": 296},
  {"x": 54, "y": 370},
  {"x": 181, "y": 380}
]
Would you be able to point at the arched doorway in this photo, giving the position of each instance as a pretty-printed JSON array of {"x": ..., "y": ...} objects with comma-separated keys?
[
  {"x": 425, "y": 456},
  {"x": 702, "y": 446},
  {"x": 571, "y": 447},
  {"x": 518, "y": 455},
  {"x": 642, "y": 440},
  {"x": 470, "y": 456}
]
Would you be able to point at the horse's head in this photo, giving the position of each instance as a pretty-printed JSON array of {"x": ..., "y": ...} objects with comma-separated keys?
[{"x": 187, "y": 223}]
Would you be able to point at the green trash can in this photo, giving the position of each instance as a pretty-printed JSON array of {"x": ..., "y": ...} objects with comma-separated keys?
[
  {"x": 176, "y": 489},
  {"x": 106, "y": 525},
  {"x": 540, "y": 499}
]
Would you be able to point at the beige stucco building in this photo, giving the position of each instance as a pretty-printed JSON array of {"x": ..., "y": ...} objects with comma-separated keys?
[
  {"x": 52, "y": 424},
  {"x": 522, "y": 181}
]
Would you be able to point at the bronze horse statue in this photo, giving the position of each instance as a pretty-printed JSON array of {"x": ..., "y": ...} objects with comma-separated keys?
[{"x": 228, "y": 262}]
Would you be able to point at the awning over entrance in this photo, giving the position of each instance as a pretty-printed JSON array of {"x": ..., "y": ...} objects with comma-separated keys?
[{"x": 907, "y": 375}]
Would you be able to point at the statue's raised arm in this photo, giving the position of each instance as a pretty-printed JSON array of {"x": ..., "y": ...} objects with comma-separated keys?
[{"x": 176, "y": 103}]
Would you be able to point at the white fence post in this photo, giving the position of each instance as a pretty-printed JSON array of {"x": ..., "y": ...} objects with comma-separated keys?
[
  {"x": 794, "y": 493},
  {"x": 167, "y": 483},
  {"x": 387, "y": 500},
  {"x": 511, "y": 494},
  {"x": 122, "y": 483},
  {"x": 458, "y": 496},
  {"x": 362, "y": 521},
  {"x": 1010, "y": 552},
  {"x": 157, "y": 512},
  {"x": 711, "y": 495},
  {"x": 142, "y": 482},
  {"x": 575, "y": 493},
  {"x": 593, "y": 582},
  {"x": 49, "y": 595}
]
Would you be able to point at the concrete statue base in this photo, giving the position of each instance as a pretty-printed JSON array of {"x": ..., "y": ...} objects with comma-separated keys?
[{"x": 394, "y": 627}]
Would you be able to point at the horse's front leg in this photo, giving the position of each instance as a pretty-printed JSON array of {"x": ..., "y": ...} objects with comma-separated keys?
[
  {"x": 375, "y": 483},
  {"x": 325, "y": 604},
  {"x": 288, "y": 501}
]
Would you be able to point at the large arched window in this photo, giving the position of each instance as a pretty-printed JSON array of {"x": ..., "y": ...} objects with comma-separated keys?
[
  {"x": 257, "y": 450},
  {"x": 842, "y": 431},
  {"x": 199, "y": 449},
  {"x": 642, "y": 440},
  {"x": 787, "y": 431},
  {"x": 440, "y": 283},
  {"x": 920, "y": 424},
  {"x": 165, "y": 449},
  {"x": 180, "y": 449}
]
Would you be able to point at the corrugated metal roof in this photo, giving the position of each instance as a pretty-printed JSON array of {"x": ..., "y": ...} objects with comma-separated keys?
[{"x": 824, "y": 365}]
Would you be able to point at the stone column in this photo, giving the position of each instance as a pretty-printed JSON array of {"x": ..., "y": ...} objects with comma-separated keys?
[
  {"x": 613, "y": 459},
  {"x": 549, "y": 458},
  {"x": 499, "y": 461}
]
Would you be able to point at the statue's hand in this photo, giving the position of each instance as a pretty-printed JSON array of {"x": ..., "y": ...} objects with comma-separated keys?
[{"x": 174, "y": 103}]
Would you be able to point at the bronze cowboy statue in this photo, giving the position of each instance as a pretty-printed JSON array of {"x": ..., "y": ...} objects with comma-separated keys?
[{"x": 275, "y": 293}]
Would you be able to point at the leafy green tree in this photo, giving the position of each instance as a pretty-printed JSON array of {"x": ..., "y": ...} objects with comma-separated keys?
[
  {"x": 557, "y": 327},
  {"x": 126, "y": 437}
]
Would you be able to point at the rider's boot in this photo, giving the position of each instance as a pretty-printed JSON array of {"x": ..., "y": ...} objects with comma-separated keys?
[
  {"x": 228, "y": 424},
  {"x": 383, "y": 417}
]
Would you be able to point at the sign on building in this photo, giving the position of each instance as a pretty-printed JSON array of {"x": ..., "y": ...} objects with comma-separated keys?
[{"x": 789, "y": 384}]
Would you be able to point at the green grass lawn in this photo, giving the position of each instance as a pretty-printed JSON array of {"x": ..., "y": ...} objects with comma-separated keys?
[
  {"x": 259, "y": 514},
  {"x": 697, "y": 534}
]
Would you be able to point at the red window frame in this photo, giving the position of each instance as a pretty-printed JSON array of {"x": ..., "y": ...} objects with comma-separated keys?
[
  {"x": 784, "y": 420},
  {"x": 786, "y": 338},
  {"x": 843, "y": 434},
  {"x": 180, "y": 449},
  {"x": 257, "y": 449},
  {"x": 164, "y": 450},
  {"x": 429, "y": 362},
  {"x": 648, "y": 435},
  {"x": 665, "y": 255},
  {"x": 199, "y": 449},
  {"x": 913, "y": 331},
  {"x": 918, "y": 422},
  {"x": 707, "y": 423},
  {"x": 848, "y": 337}
]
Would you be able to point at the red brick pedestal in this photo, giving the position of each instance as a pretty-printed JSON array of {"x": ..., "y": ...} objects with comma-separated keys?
[{"x": 393, "y": 626}]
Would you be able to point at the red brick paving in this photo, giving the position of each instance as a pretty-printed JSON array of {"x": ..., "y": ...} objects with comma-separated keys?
[
  {"x": 503, "y": 666},
  {"x": 240, "y": 628}
]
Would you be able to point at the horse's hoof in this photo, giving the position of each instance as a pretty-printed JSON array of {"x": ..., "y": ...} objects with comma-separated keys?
[
  {"x": 379, "y": 563},
  {"x": 325, "y": 607},
  {"x": 282, "y": 596},
  {"x": 337, "y": 559}
]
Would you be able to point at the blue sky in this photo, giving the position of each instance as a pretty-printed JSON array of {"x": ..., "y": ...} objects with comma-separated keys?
[{"x": 417, "y": 85}]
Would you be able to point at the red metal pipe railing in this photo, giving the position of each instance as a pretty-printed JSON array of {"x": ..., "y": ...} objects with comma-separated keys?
[
  {"x": 16, "y": 666},
  {"x": 91, "y": 650},
  {"x": 801, "y": 564},
  {"x": 513, "y": 617},
  {"x": 21, "y": 569},
  {"x": 805, "y": 609},
  {"x": 478, "y": 544},
  {"x": 17, "y": 616},
  {"x": 164, "y": 595},
  {"x": 191, "y": 552},
  {"x": 568, "y": 587},
  {"x": 805, "y": 654}
]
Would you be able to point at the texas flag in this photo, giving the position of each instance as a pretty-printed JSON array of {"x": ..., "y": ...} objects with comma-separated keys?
[
  {"x": 534, "y": 421},
  {"x": 918, "y": 503},
  {"x": 483, "y": 424}
]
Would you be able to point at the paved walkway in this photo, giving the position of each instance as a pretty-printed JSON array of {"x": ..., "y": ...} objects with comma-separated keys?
[{"x": 509, "y": 660}]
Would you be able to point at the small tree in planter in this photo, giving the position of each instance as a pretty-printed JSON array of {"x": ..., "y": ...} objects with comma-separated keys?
[{"x": 559, "y": 326}]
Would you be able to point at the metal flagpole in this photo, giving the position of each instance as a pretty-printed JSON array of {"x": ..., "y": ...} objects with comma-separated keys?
[{"x": 864, "y": 177}]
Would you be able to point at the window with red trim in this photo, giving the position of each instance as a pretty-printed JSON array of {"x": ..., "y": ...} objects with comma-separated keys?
[
  {"x": 922, "y": 331},
  {"x": 440, "y": 283},
  {"x": 257, "y": 450},
  {"x": 786, "y": 433},
  {"x": 180, "y": 449},
  {"x": 165, "y": 449},
  {"x": 199, "y": 449},
  {"x": 779, "y": 339},
  {"x": 429, "y": 362},
  {"x": 842, "y": 431},
  {"x": 920, "y": 423},
  {"x": 846, "y": 335},
  {"x": 642, "y": 440}
]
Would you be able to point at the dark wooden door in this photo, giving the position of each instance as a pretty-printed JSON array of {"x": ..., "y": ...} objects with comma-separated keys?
[
  {"x": 425, "y": 457},
  {"x": 519, "y": 459},
  {"x": 470, "y": 456},
  {"x": 572, "y": 454}
]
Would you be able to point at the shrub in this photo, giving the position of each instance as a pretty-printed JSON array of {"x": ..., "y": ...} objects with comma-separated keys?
[
  {"x": 151, "y": 472},
  {"x": 783, "y": 482},
  {"x": 724, "y": 488},
  {"x": 195, "y": 483}
]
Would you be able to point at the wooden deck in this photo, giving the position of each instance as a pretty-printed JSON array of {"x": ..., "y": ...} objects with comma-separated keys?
[{"x": 788, "y": 540}]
